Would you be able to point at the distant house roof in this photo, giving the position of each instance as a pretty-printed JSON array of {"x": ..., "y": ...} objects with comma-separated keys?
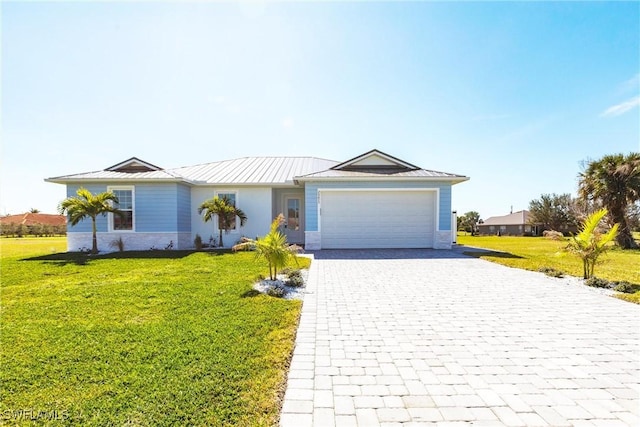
[
  {"x": 515, "y": 218},
  {"x": 34, "y": 218}
]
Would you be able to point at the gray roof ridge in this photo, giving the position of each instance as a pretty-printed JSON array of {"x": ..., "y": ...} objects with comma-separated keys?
[{"x": 250, "y": 157}]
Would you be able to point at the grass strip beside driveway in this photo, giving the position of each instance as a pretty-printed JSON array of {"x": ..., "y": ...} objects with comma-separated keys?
[{"x": 533, "y": 253}]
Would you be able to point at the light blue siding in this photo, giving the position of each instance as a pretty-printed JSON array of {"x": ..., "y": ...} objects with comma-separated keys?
[
  {"x": 159, "y": 207},
  {"x": 184, "y": 208},
  {"x": 445, "y": 207},
  {"x": 156, "y": 207},
  {"x": 311, "y": 197}
]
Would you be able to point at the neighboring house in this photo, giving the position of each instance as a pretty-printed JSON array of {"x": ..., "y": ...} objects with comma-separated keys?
[
  {"x": 31, "y": 218},
  {"x": 33, "y": 223},
  {"x": 371, "y": 201},
  {"x": 514, "y": 224}
]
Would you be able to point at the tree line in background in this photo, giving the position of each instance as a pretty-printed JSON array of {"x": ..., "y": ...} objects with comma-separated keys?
[
  {"x": 612, "y": 183},
  {"x": 36, "y": 230}
]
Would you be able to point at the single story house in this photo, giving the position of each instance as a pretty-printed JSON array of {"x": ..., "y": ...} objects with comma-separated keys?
[
  {"x": 514, "y": 224},
  {"x": 34, "y": 218},
  {"x": 373, "y": 200}
]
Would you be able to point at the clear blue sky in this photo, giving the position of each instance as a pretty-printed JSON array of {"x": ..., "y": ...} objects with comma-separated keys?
[{"x": 514, "y": 95}]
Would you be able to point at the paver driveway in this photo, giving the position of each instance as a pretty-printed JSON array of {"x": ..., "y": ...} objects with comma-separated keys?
[{"x": 435, "y": 338}]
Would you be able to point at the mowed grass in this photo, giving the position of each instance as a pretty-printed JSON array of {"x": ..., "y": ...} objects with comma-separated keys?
[
  {"x": 156, "y": 338},
  {"x": 532, "y": 253}
]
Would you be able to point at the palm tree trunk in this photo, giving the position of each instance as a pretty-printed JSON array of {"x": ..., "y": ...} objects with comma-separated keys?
[
  {"x": 94, "y": 247},
  {"x": 221, "y": 244},
  {"x": 624, "y": 239}
]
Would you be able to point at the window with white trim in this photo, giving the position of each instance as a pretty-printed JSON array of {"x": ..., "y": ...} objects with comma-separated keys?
[
  {"x": 231, "y": 196},
  {"x": 125, "y": 205}
]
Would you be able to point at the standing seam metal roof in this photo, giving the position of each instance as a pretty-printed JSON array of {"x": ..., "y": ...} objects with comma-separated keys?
[
  {"x": 254, "y": 170},
  {"x": 260, "y": 171}
]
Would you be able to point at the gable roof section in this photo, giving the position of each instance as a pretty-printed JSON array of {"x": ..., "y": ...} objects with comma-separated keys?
[
  {"x": 376, "y": 165},
  {"x": 374, "y": 159},
  {"x": 243, "y": 171},
  {"x": 133, "y": 165},
  {"x": 515, "y": 218}
]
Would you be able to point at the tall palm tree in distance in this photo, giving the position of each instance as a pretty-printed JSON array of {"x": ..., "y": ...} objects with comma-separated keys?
[
  {"x": 614, "y": 180},
  {"x": 86, "y": 204},
  {"x": 223, "y": 208}
]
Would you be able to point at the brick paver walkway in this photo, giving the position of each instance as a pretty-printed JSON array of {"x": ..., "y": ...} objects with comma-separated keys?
[{"x": 426, "y": 338}]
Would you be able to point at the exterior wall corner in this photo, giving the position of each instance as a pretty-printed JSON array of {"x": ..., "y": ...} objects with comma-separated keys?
[
  {"x": 312, "y": 240},
  {"x": 442, "y": 239}
]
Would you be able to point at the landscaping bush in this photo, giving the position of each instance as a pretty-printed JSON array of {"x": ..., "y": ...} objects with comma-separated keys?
[
  {"x": 553, "y": 235},
  {"x": 117, "y": 244},
  {"x": 294, "y": 278},
  {"x": 626, "y": 287},
  {"x": 276, "y": 291},
  {"x": 197, "y": 242},
  {"x": 596, "y": 282},
  {"x": 550, "y": 271}
]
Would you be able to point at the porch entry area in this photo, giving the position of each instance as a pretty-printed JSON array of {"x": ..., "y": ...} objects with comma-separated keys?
[{"x": 290, "y": 203}]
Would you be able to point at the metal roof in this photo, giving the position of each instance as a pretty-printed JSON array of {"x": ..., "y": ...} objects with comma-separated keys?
[
  {"x": 243, "y": 171},
  {"x": 267, "y": 171},
  {"x": 106, "y": 175},
  {"x": 382, "y": 173},
  {"x": 254, "y": 170}
]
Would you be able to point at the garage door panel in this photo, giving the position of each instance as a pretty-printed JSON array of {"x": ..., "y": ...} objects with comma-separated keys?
[{"x": 377, "y": 219}]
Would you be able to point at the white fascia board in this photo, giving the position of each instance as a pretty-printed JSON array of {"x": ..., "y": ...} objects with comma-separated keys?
[{"x": 116, "y": 180}]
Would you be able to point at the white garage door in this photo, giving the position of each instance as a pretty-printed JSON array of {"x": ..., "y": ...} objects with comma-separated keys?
[{"x": 377, "y": 219}]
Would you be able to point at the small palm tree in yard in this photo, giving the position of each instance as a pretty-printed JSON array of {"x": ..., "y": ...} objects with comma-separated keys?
[
  {"x": 87, "y": 204},
  {"x": 273, "y": 247},
  {"x": 589, "y": 243},
  {"x": 224, "y": 209}
]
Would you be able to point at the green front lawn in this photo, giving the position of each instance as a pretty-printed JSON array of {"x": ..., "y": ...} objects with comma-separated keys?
[
  {"x": 154, "y": 338},
  {"x": 532, "y": 253}
]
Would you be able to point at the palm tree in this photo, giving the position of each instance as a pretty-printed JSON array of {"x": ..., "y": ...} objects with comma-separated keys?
[
  {"x": 589, "y": 243},
  {"x": 87, "y": 204},
  {"x": 273, "y": 247},
  {"x": 614, "y": 180},
  {"x": 224, "y": 210}
]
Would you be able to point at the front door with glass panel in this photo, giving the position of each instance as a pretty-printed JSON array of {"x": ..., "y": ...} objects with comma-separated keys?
[{"x": 293, "y": 219}]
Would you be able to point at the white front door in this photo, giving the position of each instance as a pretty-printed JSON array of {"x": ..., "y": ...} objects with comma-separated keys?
[{"x": 293, "y": 216}]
